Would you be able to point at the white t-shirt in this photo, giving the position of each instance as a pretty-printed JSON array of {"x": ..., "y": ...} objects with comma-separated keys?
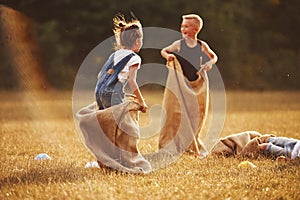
[{"x": 119, "y": 55}]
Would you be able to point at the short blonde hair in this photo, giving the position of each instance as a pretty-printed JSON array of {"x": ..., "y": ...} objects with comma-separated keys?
[{"x": 196, "y": 18}]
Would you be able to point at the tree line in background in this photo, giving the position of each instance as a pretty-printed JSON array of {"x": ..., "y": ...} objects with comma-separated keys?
[{"x": 256, "y": 41}]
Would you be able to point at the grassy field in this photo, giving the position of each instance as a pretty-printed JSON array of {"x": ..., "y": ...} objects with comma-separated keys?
[{"x": 33, "y": 123}]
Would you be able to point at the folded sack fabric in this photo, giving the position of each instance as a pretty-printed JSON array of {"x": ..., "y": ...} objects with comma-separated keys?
[{"x": 112, "y": 135}]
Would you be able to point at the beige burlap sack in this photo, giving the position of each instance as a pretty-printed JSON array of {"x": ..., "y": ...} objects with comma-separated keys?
[
  {"x": 112, "y": 136},
  {"x": 234, "y": 144},
  {"x": 185, "y": 105}
]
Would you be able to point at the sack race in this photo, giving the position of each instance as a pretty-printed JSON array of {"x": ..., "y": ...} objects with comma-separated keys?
[{"x": 186, "y": 105}]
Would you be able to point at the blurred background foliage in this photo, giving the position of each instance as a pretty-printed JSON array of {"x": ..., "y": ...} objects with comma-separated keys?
[{"x": 257, "y": 41}]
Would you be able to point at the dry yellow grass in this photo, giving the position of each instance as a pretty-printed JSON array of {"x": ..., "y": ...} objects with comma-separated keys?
[{"x": 39, "y": 122}]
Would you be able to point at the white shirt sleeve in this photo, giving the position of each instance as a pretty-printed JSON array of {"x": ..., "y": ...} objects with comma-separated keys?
[
  {"x": 123, "y": 75},
  {"x": 134, "y": 60}
]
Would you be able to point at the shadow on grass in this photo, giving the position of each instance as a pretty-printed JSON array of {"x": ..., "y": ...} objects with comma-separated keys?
[
  {"x": 43, "y": 174},
  {"x": 48, "y": 173},
  {"x": 52, "y": 175}
]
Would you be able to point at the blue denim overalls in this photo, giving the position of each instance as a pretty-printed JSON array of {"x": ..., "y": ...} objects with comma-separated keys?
[{"x": 109, "y": 90}]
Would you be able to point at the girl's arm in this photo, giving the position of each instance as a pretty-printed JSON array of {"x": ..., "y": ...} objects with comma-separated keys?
[
  {"x": 134, "y": 86},
  {"x": 99, "y": 75}
]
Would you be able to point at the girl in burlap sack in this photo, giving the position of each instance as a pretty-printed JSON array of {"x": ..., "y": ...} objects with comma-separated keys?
[
  {"x": 122, "y": 65},
  {"x": 109, "y": 127}
]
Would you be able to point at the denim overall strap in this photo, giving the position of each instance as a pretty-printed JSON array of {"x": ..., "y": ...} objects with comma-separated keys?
[
  {"x": 107, "y": 65},
  {"x": 116, "y": 69},
  {"x": 109, "y": 74}
]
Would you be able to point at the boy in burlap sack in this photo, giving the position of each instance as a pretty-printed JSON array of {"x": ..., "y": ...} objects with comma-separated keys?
[{"x": 186, "y": 105}]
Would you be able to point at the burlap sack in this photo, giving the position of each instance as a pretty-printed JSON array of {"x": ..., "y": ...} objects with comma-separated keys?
[
  {"x": 235, "y": 143},
  {"x": 186, "y": 105},
  {"x": 112, "y": 136}
]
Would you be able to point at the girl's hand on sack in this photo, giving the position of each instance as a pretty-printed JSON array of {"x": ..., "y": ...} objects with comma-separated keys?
[{"x": 144, "y": 107}]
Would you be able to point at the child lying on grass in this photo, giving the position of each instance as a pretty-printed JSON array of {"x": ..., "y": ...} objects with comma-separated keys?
[
  {"x": 272, "y": 146},
  {"x": 281, "y": 146},
  {"x": 252, "y": 144}
]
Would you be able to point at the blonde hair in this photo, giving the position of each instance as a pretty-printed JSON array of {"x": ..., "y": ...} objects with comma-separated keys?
[
  {"x": 126, "y": 32},
  {"x": 196, "y": 18}
]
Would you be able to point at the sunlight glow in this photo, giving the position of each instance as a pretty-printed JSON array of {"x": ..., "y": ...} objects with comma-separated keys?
[{"x": 22, "y": 49}]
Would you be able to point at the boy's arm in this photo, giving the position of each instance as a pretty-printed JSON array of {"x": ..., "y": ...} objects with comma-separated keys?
[
  {"x": 213, "y": 57},
  {"x": 167, "y": 51}
]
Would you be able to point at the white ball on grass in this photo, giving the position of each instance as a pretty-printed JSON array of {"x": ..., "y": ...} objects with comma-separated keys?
[{"x": 42, "y": 156}]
